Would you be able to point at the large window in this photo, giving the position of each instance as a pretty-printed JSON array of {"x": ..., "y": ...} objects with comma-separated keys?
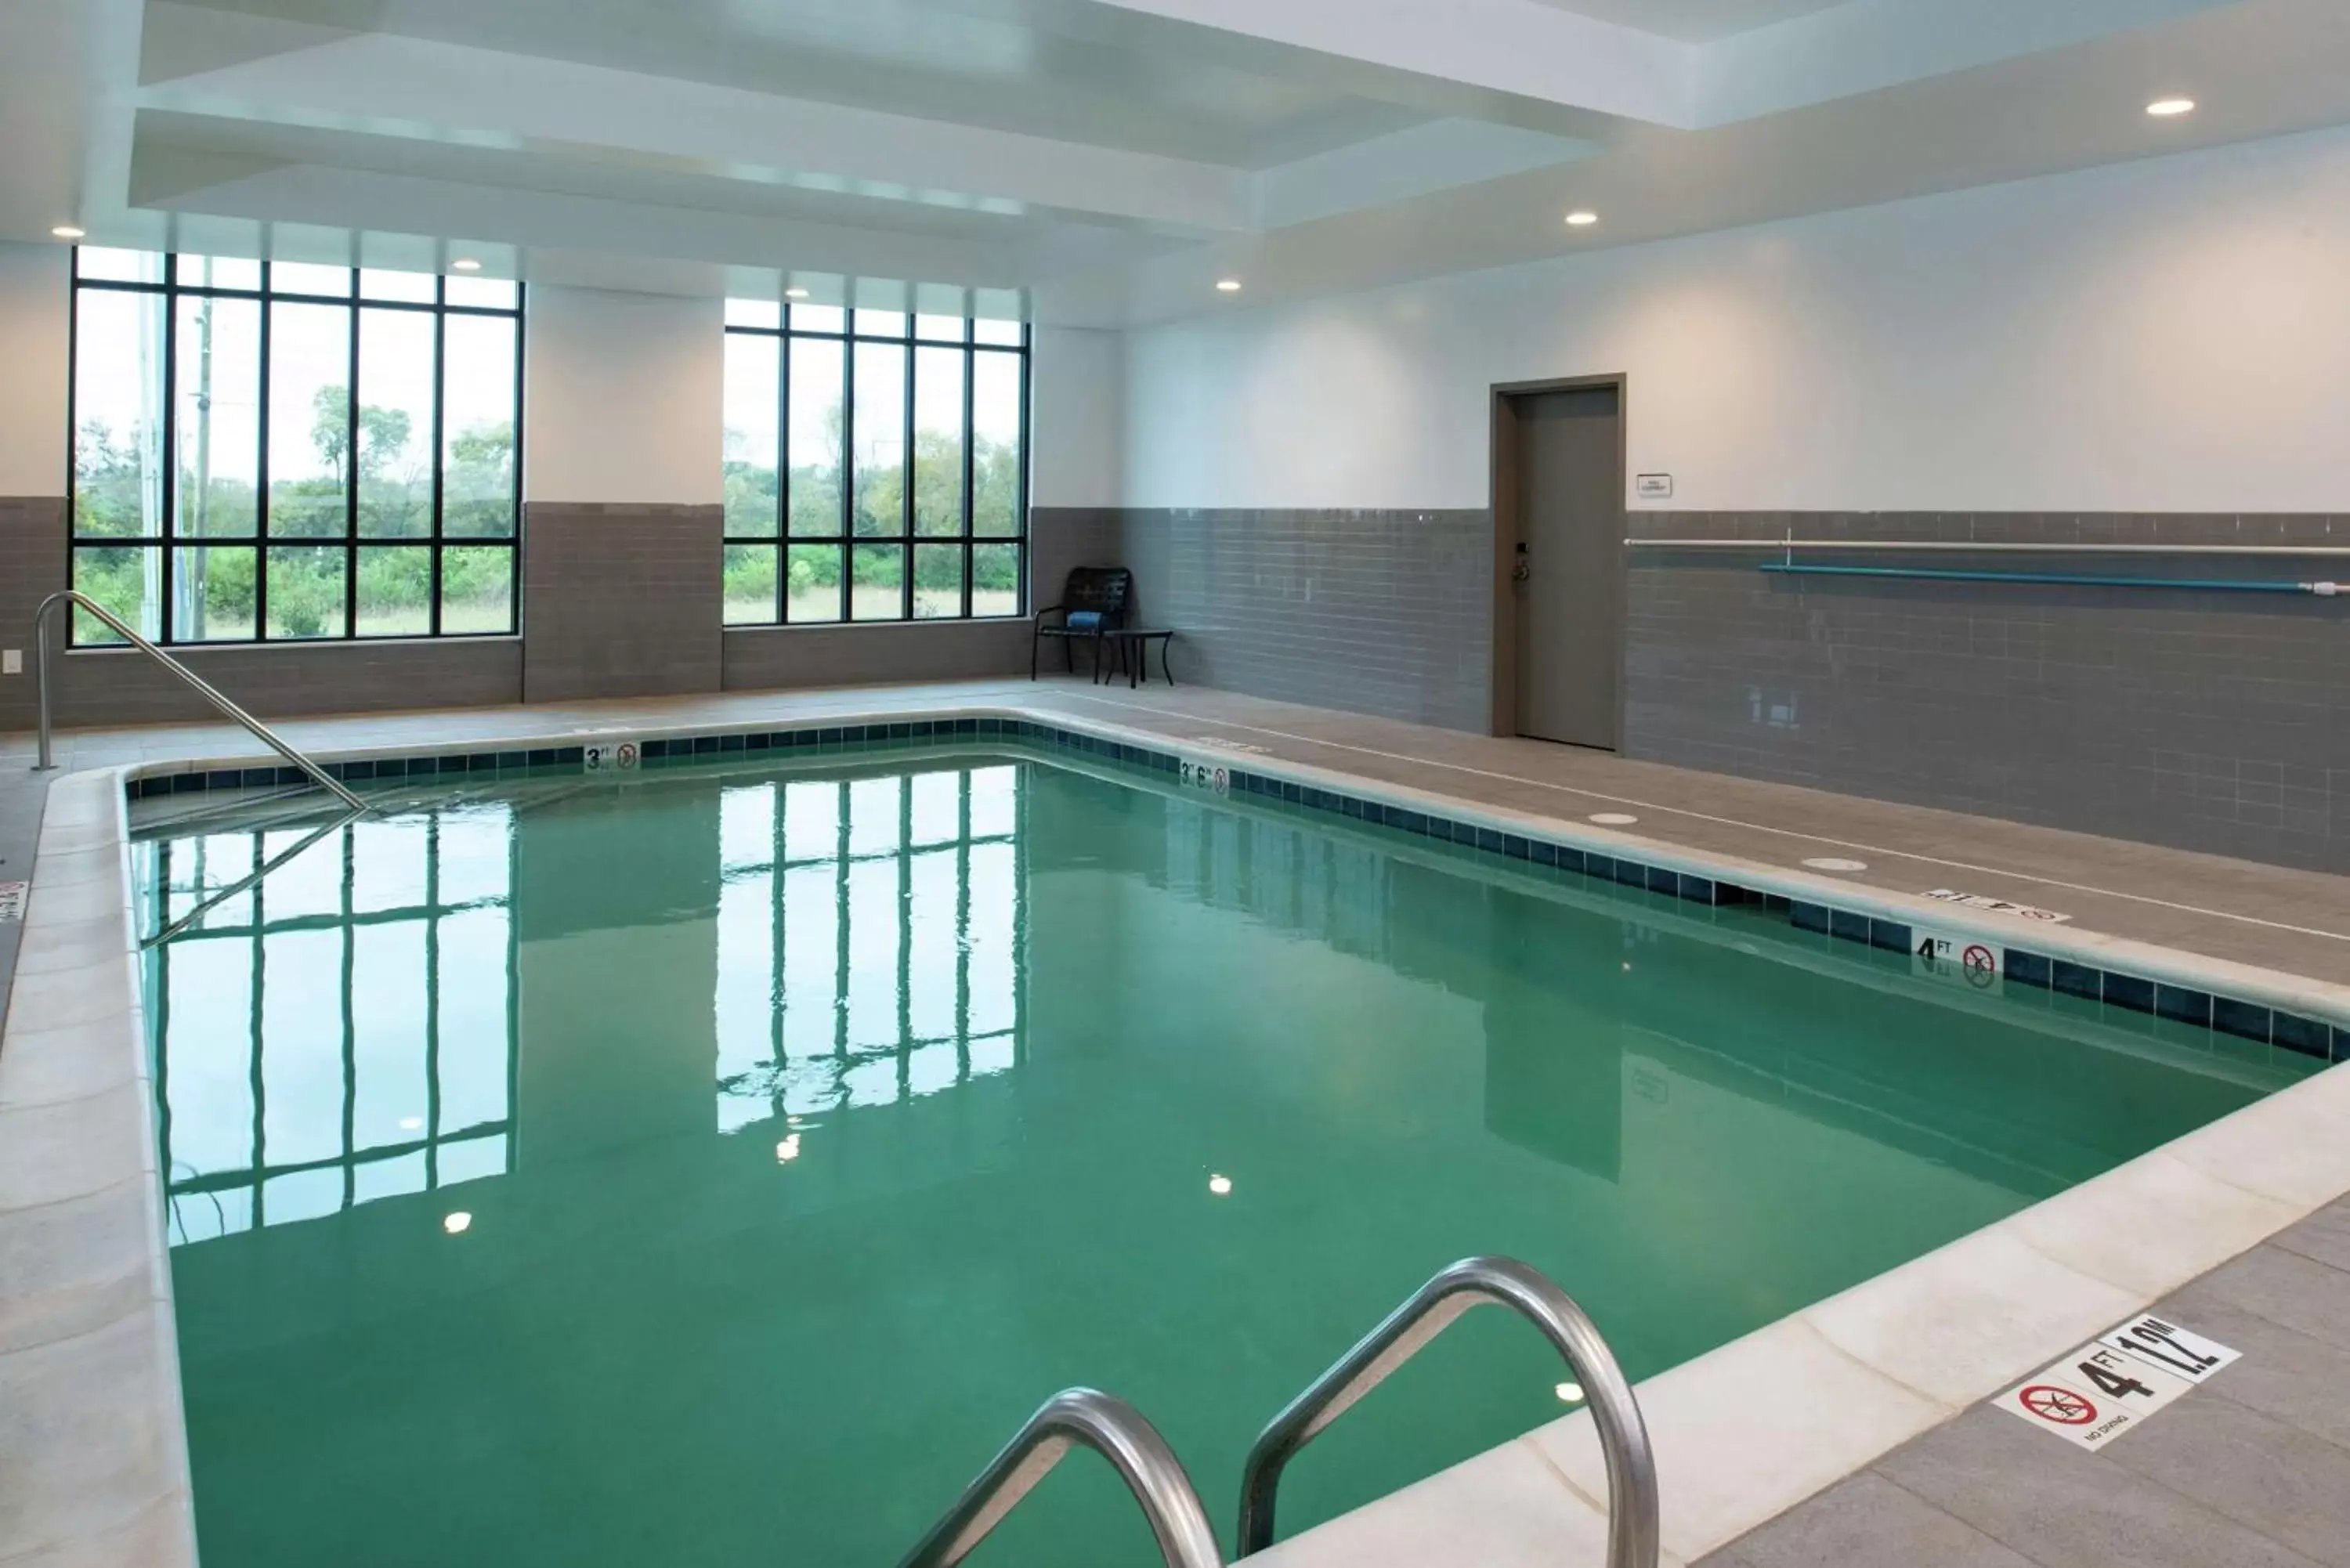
[
  {"x": 877, "y": 465},
  {"x": 285, "y": 451}
]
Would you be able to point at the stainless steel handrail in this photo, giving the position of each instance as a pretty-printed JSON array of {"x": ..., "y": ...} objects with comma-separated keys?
[
  {"x": 243, "y": 883},
  {"x": 202, "y": 687},
  {"x": 1112, "y": 1428},
  {"x": 1474, "y": 1282}
]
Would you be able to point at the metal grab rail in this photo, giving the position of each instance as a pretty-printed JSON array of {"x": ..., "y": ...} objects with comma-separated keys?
[
  {"x": 1112, "y": 1428},
  {"x": 1632, "y": 1531},
  {"x": 1993, "y": 547},
  {"x": 243, "y": 883},
  {"x": 2057, "y": 580},
  {"x": 202, "y": 687}
]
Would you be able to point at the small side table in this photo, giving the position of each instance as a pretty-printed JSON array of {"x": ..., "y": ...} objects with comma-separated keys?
[{"x": 1136, "y": 660}]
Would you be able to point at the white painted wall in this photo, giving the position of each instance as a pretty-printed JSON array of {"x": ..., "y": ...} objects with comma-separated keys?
[
  {"x": 2167, "y": 335},
  {"x": 1077, "y": 417},
  {"x": 624, "y": 398},
  {"x": 35, "y": 350}
]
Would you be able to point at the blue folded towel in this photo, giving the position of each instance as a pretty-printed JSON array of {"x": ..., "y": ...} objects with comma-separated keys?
[{"x": 1085, "y": 621}]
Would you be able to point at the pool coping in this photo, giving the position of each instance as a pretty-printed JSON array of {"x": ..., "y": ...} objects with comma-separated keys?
[{"x": 93, "y": 1439}]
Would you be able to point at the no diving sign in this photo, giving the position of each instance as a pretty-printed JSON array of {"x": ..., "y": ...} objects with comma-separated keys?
[{"x": 2104, "y": 1388}]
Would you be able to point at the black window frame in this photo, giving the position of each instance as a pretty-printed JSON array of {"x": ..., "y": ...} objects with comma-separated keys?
[
  {"x": 846, "y": 540},
  {"x": 171, "y": 290}
]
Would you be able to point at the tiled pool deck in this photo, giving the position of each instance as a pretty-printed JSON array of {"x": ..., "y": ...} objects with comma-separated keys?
[{"x": 92, "y": 1467}]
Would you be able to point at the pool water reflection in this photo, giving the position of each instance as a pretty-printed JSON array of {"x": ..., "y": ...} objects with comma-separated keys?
[{"x": 715, "y": 1166}]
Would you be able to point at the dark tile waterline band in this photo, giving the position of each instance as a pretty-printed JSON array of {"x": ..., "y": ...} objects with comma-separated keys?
[{"x": 2254, "y": 1021}]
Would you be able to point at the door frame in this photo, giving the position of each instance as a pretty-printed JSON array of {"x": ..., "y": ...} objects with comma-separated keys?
[{"x": 1509, "y": 528}]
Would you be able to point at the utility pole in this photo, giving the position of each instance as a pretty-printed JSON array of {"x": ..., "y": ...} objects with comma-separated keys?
[{"x": 193, "y": 580}]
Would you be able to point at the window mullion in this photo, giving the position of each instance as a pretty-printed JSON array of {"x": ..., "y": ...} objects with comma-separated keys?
[
  {"x": 906, "y": 486},
  {"x": 261, "y": 501},
  {"x": 969, "y": 462},
  {"x": 783, "y": 464},
  {"x": 1020, "y": 499},
  {"x": 351, "y": 475},
  {"x": 439, "y": 447},
  {"x": 847, "y": 550},
  {"x": 168, "y": 524}
]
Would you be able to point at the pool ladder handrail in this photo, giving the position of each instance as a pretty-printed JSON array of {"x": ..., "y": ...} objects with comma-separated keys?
[
  {"x": 1632, "y": 1528},
  {"x": 202, "y": 688},
  {"x": 1112, "y": 1428}
]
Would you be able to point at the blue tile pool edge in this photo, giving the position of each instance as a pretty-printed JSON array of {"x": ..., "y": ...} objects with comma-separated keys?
[{"x": 2322, "y": 1040}]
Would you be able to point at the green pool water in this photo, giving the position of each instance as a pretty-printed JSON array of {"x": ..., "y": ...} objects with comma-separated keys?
[{"x": 716, "y": 1166}]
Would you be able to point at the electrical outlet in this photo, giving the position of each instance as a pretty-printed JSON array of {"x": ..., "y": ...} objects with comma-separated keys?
[{"x": 11, "y": 661}]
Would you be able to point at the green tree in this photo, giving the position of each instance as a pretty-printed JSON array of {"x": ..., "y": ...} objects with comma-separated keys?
[
  {"x": 383, "y": 436},
  {"x": 477, "y": 486},
  {"x": 330, "y": 428},
  {"x": 110, "y": 484}
]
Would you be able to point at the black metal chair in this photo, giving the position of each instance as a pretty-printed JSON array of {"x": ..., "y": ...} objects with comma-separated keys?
[{"x": 1094, "y": 600}]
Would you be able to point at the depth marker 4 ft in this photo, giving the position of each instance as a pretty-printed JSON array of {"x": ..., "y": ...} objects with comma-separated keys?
[{"x": 2115, "y": 1381}]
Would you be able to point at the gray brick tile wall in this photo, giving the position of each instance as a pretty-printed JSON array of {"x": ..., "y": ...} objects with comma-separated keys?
[
  {"x": 777, "y": 658},
  {"x": 2195, "y": 718},
  {"x": 2198, "y": 720},
  {"x": 1378, "y": 612},
  {"x": 621, "y": 601}
]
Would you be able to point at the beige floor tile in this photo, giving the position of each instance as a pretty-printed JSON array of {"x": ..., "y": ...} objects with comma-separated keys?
[
  {"x": 41, "y": 1067},
  {"x": 2151, "y": 1226},
  {"x": 75, "y": 1266},
  {"x": 74, "y": 1148},
  {"x": 1745, "y": 1432},
  {"x": 1504, "y": 1508},
  {"x": 85, "y": 1436},
  {"x": 1963, "y": 1321},
  {"x": 159, "y": 1535}
]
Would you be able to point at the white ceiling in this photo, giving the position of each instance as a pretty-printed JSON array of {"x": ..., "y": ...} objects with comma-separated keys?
[
  {"x": 1100, "y": 161},
  {"x": 1694, "y": 20}
]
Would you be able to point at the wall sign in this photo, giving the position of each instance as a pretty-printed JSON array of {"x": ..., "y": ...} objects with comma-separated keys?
[
  {"x": 1998, "y": 906},
  {"x": 621, "y": 757},
  {"x": 2111, "y": 1384},
  {"x": 12, "y": 901},
  {"x": 1654, "y": 486}
]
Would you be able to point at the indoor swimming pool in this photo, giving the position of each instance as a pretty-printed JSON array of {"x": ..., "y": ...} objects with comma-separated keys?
[{"x": 714, "y": 1165}]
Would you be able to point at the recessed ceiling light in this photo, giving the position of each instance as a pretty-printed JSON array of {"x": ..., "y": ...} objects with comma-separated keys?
[
  {"x": 457, "y": 1224},
  {"x": 2170, "y": 107},
  {"x": 1581, "y": 220},
  {"x": 67, "y": 232},
  {"x": 796, "y": 293},
  {"x": 1834, "y": 864},
  {"x": 1221, "y": 1186},
  {"x": 1614, "y": 818},
  {"x": 1571, "y": 1393},
  {"x": 466, "y": 263},
  {"x": 1228, "y": 285}
]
